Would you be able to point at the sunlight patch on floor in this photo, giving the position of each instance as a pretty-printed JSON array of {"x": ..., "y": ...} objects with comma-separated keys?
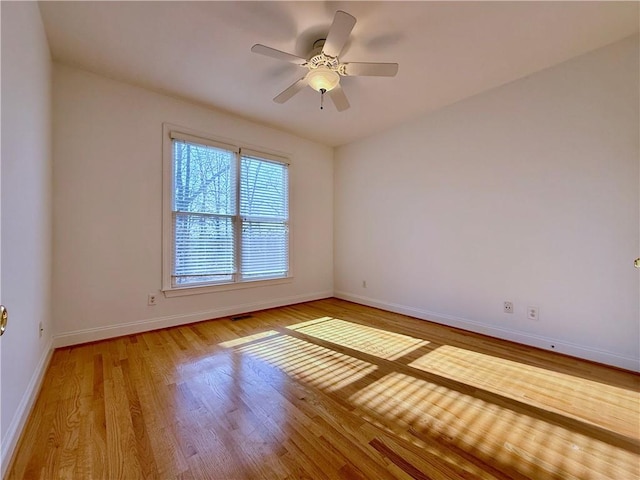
[
  {"x": 581, "y": 398},
  {"x": 319, "y": 366},
  {"x": 471, "y": 423},
  {"x": 248, "y": 339},
  {"x": 370, "y": 340}
]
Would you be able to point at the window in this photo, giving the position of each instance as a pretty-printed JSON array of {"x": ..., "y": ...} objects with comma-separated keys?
[{"x": 226, "y": 214}]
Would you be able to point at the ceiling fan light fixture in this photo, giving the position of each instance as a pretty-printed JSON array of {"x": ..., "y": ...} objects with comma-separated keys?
[{"x": 323, "y": 78}]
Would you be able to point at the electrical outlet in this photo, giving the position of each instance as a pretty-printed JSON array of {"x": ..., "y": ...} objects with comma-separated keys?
[
  {"x": 151, "y": 299},
  {"x": 508, "y": 307},
  {"x": 533, "y": 313}
]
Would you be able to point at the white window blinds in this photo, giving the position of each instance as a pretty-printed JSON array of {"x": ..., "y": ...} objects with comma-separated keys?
[
  {"x": 264, "y": 211},
  {"x": 230, "y": 214}
]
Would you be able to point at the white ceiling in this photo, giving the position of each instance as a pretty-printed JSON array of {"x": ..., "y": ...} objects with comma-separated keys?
[{"x": 446, "y": 50}]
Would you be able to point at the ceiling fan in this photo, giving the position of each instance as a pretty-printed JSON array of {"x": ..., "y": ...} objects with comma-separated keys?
[{"x": 324, "y": 67}]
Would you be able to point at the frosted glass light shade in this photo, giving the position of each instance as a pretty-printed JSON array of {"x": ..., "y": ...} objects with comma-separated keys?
[{"x": 323, "y": 78}]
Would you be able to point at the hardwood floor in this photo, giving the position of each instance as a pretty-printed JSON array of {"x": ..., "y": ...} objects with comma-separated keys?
[{"x": 325, "y": 390}]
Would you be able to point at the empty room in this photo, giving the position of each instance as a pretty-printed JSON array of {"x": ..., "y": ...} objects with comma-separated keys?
[{"x": 320, "y": 240}]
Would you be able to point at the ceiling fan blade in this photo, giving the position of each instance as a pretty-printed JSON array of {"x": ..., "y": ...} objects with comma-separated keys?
[
  {"x": 291, "y": 91},
  {"x": 280, "y": 55},
  {"x": 338, "y": 33},
  {"x": 371, "y": 69},
  {"x": 339, "y": 98}
]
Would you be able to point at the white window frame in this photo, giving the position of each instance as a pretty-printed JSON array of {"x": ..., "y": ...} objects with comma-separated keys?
[{"x": 168, "y": 132}]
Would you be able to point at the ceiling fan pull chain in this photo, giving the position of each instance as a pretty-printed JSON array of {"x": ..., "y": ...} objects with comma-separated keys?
[{"x": 322, "y": 92}]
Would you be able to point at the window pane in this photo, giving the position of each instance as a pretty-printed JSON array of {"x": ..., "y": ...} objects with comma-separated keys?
[
  {"x": 264, "y": 250},
  {"x": 203, "y": 248},
  {"x": 263, "y": 189},
  {"x": 203, "y": 179}
]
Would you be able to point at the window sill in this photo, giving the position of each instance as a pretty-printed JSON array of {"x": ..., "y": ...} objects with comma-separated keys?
[{"x": 183, "y": 291}]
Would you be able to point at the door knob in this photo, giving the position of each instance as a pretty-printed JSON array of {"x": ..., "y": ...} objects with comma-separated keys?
[{"x": 4, "y": 318}]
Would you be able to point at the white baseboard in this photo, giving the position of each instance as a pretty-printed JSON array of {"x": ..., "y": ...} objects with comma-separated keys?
[
  {"x": 10, "y": 439},
  {"x": 102, "y": 333},
  {"x": 550, "y": 344}
]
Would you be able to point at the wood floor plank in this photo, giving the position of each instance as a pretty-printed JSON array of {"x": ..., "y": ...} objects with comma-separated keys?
[{"x": 327, "y": 390}]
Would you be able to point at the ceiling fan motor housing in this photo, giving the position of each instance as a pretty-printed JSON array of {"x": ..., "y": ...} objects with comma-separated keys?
[{"x": 318, "y": 58}]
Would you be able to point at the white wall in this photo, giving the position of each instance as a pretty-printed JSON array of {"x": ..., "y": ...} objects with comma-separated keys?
[
  {"x": 526, "y": 193},
  {"x": 108, "y": 210},
  {"x": 26, "y": 216}
]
